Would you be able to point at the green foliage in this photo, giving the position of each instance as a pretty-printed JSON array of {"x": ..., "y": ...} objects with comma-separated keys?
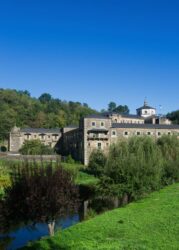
[
  {"x": 91, "y": 213},
  {"x": 44, "y": 98},
  {"x": 97, "y": 162},
  {"x": 112, "y": 107},
  {"x": 35, "y": 147},
  {"x": 20, "y": 109},
  {"x": 151, "y": 223},
  {"x": 169, "y": 146},
  {"x": 174, "y": 116},
  {"x": 38, "y": 193},
  {"x": 122, "y": 109},
  {"x": 69, "y": 159},
  {"x": 135, "y": 166}
]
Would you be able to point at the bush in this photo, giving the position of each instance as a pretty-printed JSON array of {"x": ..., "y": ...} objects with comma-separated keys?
[
  {"x": 169, "y": 146},
  {"x": 134, "y": 167},
  {"x": 97, "y": 163},
  {"x": 69, "y": 159},
  {"x": 35, "y": 147}
]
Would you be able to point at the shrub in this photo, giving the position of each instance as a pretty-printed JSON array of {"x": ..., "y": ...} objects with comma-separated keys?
[
  {"x": 35, "y": 147},
  {"x": 169, "y": 146},
  {"x": 97, "y": 163},
  {"x": 69, "y": 159},
  {"x": 135, "y": 166}
]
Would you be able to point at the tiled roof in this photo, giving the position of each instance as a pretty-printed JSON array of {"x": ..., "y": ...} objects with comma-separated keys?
[
  {"x": 147, "y": 126},
  {"x": 41, "y": 130},
  {"x": 107, "y": 114}
]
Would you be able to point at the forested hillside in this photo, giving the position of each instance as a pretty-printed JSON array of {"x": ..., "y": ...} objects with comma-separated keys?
[{"x": 18, "y": 107}]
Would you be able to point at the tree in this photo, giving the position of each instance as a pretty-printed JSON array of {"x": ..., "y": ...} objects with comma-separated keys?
[
  {"x": 134, "y": 165},
  {"x": 39, "y": 193},
  {"x": 169, "y": 146},
  {"x": 122, "y": 109},
  {"x": 35, "y": 147},
  {"x": 97, "y": 163},
  {"x": 111, "y": 106},
  {"x": 20, "y": 109},
  {"x": 174, "y": 116},
  {"x": 45, "y": 97}
]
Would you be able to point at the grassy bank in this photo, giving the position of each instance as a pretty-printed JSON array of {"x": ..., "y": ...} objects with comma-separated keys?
[{"x": 151, "y": 223}]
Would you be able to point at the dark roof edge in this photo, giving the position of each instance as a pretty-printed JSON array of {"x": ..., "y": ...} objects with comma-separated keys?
[{"x": 147, "y": 126}]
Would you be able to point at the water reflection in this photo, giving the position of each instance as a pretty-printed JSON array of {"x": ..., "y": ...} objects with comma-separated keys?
[{"x": 23, "y": 235}]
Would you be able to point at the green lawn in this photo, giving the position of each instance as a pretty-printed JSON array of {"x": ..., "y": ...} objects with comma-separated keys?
[{"x": 151, "y": 223}]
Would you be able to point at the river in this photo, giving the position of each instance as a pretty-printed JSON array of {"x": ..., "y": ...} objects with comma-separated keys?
[{"x": 21, "y": 236}]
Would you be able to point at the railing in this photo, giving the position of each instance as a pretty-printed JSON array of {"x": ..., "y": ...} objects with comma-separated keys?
[{"x": 97, "y": 137}]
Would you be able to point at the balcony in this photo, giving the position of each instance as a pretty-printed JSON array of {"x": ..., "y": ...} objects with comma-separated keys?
[{"x": 97, "y": 137}]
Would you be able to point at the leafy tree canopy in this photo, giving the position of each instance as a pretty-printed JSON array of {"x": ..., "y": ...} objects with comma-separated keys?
[
  {"x": 20, "y": 109},
  {"x": 112, "y": 107},
  {"x": 174, "y": 116}
]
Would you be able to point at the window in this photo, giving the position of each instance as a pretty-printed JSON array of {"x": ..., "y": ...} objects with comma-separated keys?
[
  {"x": 42, "y": 136},
  {"x": 35, "y": 136},
  {"x": 93, "y": 124},
  {"x": 169, "y": 133},
  {"x": 48, "y": 136},
  {"x": 149, "y": 133},
  {"x": 99, "y": 145},
  {"x": 88, "y": 144},
  {"x": 116, "y": 120},
  {"x": 55, "y": 137},
  {"x": 126, "y": 133},
  {"x": 27, "y": 136},
  {"x": 113, "y": 133},
  {"x": 159, "y": 133},
  {"x": 145, "y": 111},
  {"x": 138, "y": 133},
  {"x": 102, "y": 124}
]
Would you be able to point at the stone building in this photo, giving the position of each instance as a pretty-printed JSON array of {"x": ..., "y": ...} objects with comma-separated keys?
[
  {"x": 97, "y": 131},
  {"x": 18, "y": 136}
]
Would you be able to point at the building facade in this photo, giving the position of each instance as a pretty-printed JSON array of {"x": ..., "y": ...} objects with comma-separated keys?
[
  {"x": 97, "y": 131},
  {"x": 18, "y": 136}
]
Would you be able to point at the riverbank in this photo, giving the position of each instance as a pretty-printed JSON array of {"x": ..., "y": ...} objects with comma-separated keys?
[{"x": 151, "y": 223}]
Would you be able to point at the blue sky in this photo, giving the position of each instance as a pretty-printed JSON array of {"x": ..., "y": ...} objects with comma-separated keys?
[{"x": 92, "y": 51}]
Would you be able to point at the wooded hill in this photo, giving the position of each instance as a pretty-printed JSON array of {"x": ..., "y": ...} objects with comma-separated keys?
[{"x": 20, "y": 109}]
